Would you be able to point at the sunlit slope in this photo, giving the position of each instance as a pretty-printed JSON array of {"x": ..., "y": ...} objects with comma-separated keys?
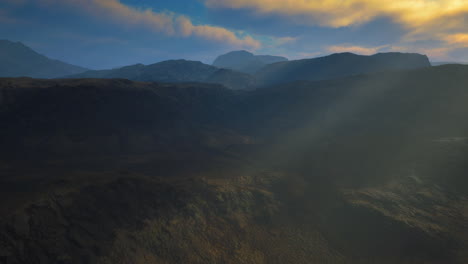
[{"x": 367, "y": 122}]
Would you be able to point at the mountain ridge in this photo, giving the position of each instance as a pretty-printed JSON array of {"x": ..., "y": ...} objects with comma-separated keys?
[
  {"x": 245, "y": 61},
  {"x": 338, "y": 65},
  {"x": 173, "y": 71},
  {"x": 17, "y": 60},
  {"x": 333, "y": 66}
]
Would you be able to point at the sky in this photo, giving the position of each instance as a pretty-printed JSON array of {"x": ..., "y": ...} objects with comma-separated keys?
[{"x": 101, "y": 34}]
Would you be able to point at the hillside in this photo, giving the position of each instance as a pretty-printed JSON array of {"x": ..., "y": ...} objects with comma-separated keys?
[
  {"x": 18, "y": 60},
  {"x": 364, "y": 169},
  {"x": 174, "y": 71},
  {"x": 245, "y": 61},
  {"x": 337, "y": 66}
]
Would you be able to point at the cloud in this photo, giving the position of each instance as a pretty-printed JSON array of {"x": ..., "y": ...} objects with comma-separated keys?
[
  {"x": 442, "y": 51},
  {"x": 167, "y": 23},
  {"x": 355, "y": 49},
  {"x": 422, "y": 18},
  {"x": 458, "y": 40},
  {"x": 215, "y": 33},
  {"x": 302, "y": 55},
  {"x": 338, "y": 13},
  {"x": 285, "y": 40}
]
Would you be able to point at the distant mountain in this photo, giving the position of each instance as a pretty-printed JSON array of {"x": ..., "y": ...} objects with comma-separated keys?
[
  {"x": 439, "y": 63},
  {"x": 174, "y": 71},
  {"x": 245, "y": 61},
  {"x": 337, "y": 66},
  {"x": 16, "y": 60}
]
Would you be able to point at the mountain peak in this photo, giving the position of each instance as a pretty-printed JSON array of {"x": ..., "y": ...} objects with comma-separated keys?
[
  {"x": 245, "y": 61},
  {"x": 17, "y": 59},
  {"x": 6, "y": 41},
  {"x": 239, "y": 52},
  {"x": 10, "y": 46}
]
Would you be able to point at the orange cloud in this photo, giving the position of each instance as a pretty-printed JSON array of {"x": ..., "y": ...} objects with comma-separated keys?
[
  {"x": 355, "y": 49},
  {"x": 423, "y": 18},
  {"x": 458, "y": 40},
  {"x": 215, "y": 33},
  {"x": 285, "y": 40},
  {"x": 338, "y": 13},
  {"x": 166, "y": 22}
]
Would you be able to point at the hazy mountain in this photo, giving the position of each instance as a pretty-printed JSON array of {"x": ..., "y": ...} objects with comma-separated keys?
[
  {"x": 245, "y": 61},
  {"x": 439, "y": 63},
  {"x": 336, "y": 66},
  {"x": 364, "y": 169},
  {"x": 329, "y": 67},
  {"x": 18, "y": 60},
  {"x": 173, "y": 71}
]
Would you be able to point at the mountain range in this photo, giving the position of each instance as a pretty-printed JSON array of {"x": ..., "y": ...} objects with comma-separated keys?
[
  {"x": 235, "y": 70},
  {"x": 175, "y": 71},
  {"x": 439, "y": 63},
  {"x": 323, "y": 68}
]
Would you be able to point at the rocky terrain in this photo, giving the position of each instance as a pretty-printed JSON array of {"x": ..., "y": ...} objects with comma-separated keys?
[{"x": 365, "y": 169}]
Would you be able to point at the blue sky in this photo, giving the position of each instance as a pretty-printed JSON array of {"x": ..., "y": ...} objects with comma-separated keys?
[{"x": 110, "y": 33}]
